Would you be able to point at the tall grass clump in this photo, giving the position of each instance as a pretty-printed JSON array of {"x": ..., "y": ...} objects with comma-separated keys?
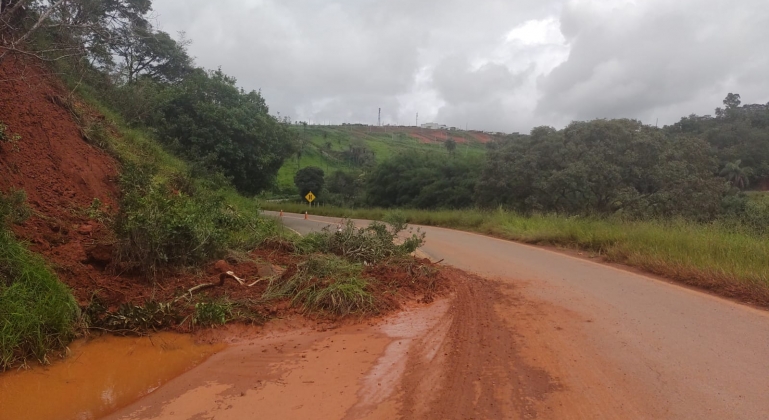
[
  {"x": 37, "y": 311},
  {"x": 326, "y": 284}
]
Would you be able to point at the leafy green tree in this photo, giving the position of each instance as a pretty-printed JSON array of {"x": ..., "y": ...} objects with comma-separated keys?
[
  {"x": 344, "y": 188},
  {"x": 423, "y": 181},
  {"x": 732, "y": 101},
  {"x": 739, "y": 132},
  {"x": 737, "y": 175},
  {"x": 208, "y": 120},
  {"x": 603, "y": 167},
  {"x": 309, "y": 179},
  {"x": 149, "y": 53}
]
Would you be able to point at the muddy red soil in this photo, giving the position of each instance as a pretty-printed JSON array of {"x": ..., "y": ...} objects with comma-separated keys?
[
  {"x": 456, "y": 358},
  {"x": 59, "y": 171}
]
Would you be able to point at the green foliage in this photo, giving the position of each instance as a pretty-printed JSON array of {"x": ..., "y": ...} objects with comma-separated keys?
[
  {"x": 423, "y": 181},
  {"x": 738, "y": 133},
  {"x": 371, "y": 244},
  {"x": 158, "y": 226},
  {"x": 37, "y": 311},
  {"x": 13, "y": 208},
  {"x": 208, "y": 120},
  {"x": 736, "y": 175},
  {"x": 150, "y": 54},
  {"x": 6, "y": 136},
  {"x": 326, "y": 284},
  {"x": 213, "y": 313},
  {"x": 132, "y": 319},
  {"x": 451, "y": 146},
  {"x": 309, "y": 179},
  {"x": 748, "y": 213},
  {"x": 344, "y": 188},
  {"x": 603, "y": 167}
]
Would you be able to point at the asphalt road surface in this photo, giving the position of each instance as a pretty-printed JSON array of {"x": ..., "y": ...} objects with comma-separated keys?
[{"x": 604, "y": 342}]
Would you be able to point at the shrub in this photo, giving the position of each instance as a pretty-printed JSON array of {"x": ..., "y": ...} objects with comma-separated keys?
[
  {"x": 13, "y": 208},
  {"x": 376, "y": 242},
  {"x": 182, "y": 222},
  {"x": 158, "y": 226},
  {"x": 212, "y": 313}
]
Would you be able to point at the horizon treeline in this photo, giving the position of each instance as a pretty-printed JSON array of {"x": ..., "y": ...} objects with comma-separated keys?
[{"x": 698, "y": 168}]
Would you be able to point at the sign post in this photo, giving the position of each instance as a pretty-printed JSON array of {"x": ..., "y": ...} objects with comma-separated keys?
[{"x": 310, "y": 197}]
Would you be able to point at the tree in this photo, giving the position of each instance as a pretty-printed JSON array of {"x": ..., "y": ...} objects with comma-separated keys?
[
  {"x": 739, "y": 132},
  {"x": 345, "y": 185},
  {"x": 732, "y": 101},
  {"x": 150, "y": 53},
  {"x": 736, "y": 175},
  {"x": 309, "y": 179},
  {"x": 451, "y": 146},
  {"x": 211, "y": 122},
  {"x": 71, "y": 28},
  {"x": 423, "y": 181},
  {"x": 603, "y": 167}
]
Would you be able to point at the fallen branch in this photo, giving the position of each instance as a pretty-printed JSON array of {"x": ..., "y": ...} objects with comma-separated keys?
[
  {"x": 193, "y": 290},
  {"x": 230, "y": 275}
]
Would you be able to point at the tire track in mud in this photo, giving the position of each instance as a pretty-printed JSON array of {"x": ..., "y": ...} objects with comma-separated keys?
[{"x": 479, "y": 371}]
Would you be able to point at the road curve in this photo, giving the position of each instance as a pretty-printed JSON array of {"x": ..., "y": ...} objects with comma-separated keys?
[{"x": 620, "y": 344}]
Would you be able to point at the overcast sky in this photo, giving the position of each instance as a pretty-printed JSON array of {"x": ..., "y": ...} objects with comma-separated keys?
[{"x": 497, "y": 65}]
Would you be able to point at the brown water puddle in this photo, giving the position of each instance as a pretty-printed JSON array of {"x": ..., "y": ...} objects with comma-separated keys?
[{"x": 100, "y": 376}]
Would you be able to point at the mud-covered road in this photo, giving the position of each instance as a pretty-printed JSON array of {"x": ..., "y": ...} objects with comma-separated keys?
[
  {"x": 530, "y": 333},
  {"x": 615, "y": 344}
]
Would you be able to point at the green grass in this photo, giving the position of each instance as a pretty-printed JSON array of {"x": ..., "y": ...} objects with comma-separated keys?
[
  {"x": 326, "y": 284},
  {"x": 716, "y": 256},
  {"x": 37, "y": 311}
]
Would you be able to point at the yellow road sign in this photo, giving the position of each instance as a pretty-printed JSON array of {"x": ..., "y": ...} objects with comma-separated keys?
[{"x": 310, "y": 197}]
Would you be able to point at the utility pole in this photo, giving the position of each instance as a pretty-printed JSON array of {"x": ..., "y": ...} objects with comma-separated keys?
[
  {"x": 417, "y": 122},
  {"x": 379, "y": 120}
]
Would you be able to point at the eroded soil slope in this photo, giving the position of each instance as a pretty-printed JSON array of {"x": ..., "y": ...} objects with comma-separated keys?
[{"x": 60, "y": 172}]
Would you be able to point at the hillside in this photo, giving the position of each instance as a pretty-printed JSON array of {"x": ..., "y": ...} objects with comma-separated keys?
[
  {"x": 61, "y": 174},
  {"x": 357, "y": 147}
]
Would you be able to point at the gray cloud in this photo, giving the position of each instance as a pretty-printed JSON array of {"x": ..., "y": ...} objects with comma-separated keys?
[
  {"x": 652, "y": 59},
  {"x": 494, "y": 64}
]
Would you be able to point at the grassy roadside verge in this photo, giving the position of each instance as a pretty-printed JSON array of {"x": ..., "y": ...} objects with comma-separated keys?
[{"x": 714, "y": 257}]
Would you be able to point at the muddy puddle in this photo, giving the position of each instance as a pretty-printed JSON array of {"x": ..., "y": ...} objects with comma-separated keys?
[
  {"x": 351, "y": 371},
  {"x": 99, "y": 377}
]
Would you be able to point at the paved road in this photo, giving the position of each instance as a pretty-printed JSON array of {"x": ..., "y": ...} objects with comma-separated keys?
[{"x": 619, "y": 344}]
